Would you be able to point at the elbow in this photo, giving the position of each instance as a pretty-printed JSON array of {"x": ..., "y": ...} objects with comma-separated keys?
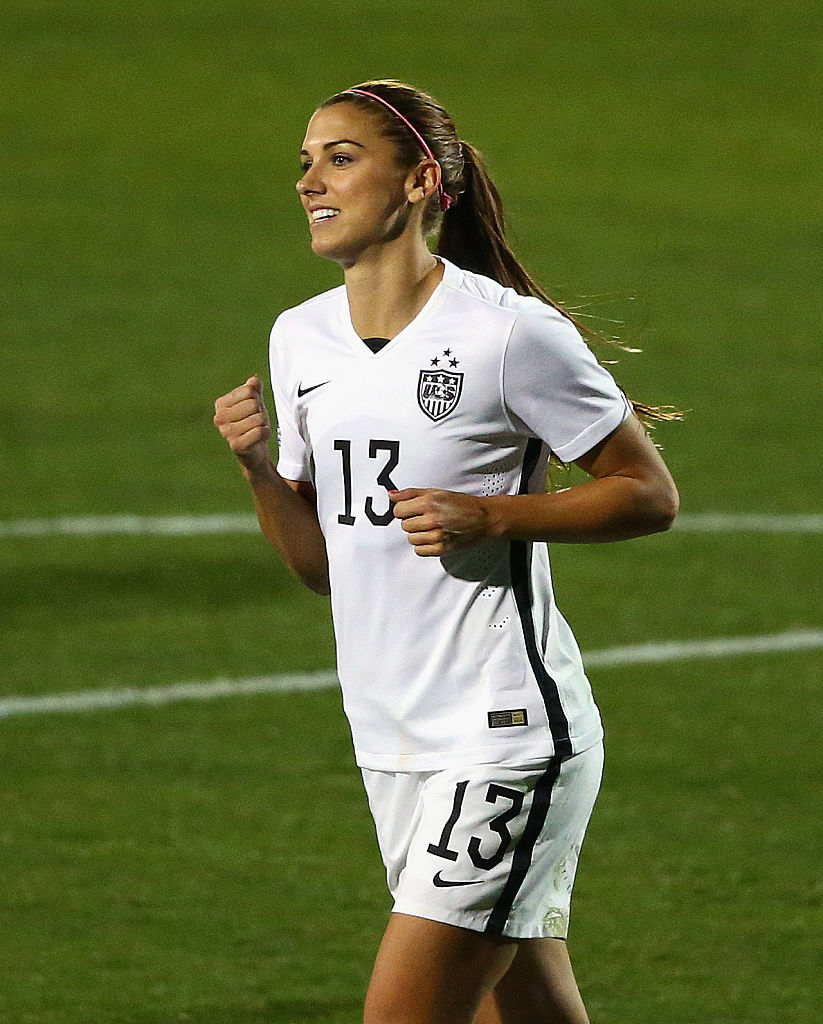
[
  {"x": 318, "y": 586},
  {"x": 662, "y": 507},
  {"x": 316, "y": 580}
]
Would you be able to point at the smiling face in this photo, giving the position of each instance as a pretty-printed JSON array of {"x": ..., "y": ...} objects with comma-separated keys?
[{"x": 356, "y": 195}]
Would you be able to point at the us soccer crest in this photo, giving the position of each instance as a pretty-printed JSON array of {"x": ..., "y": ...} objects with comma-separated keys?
[{"x": 438, "y": 392}]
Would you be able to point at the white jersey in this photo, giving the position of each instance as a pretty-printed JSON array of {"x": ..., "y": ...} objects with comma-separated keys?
[{"x": 465, "y": 658}]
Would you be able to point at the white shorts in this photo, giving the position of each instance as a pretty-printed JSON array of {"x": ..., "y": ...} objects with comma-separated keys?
[{"x": 492, "y": 848}]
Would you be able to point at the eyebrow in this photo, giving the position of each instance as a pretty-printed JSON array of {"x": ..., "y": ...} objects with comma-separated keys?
[{"x": 336, "y": 142}]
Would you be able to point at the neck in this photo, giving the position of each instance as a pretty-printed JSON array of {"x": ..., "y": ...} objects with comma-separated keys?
[{"x": 388, "y": 288}]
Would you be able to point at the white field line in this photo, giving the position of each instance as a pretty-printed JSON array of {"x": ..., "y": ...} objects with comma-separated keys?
[
  {"x": 93, "y": 700},
  {"x": 101, "y": 526},
  {"x": 723, "y": 647},
  {"x": 640, "y": 654},
  {"x": 719, "y": 522},
  {"x": 241, "y": 522}
]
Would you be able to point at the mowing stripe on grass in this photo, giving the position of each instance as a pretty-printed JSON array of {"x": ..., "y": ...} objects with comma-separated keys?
[
  {"x": 241, "y": 522},
  {"x": 639, "y": 654}
]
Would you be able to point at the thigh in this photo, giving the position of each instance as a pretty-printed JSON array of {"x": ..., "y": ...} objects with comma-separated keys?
[
  {"x": 538, "y": 988},
  {"x": 427, "y": 972}
]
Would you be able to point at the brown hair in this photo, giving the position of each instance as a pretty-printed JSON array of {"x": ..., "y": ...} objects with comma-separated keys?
[{"x": 472, "y": 232}]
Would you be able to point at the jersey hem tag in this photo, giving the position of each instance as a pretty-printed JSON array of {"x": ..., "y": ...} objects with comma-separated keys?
[{"x": 505, "y": 719}]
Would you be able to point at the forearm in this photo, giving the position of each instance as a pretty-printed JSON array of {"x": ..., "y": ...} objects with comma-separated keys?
[
  {"x": 607, "y": 509},
  {"x": 631, "y": 494},
  {"x": 289, "y": 523}
]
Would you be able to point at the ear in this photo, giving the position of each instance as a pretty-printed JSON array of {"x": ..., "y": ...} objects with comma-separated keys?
[{"x": 423, "y": 181}]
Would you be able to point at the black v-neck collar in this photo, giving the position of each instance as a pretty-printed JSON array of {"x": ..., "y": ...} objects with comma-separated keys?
[{"x": 375, "y": 344}]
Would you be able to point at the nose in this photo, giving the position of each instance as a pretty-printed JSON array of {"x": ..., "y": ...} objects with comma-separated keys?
[{"x": 309, "y": 183}]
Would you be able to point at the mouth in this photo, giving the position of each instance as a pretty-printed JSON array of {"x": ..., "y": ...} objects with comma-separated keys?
[{"x": 325, "y": 213}]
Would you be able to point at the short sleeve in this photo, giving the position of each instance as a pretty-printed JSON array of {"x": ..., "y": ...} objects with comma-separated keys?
[
  {"x": 294, "y": 458},
  {"x": 554, "y": 387}
]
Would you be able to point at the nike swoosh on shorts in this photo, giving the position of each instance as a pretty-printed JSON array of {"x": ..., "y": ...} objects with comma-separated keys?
[{"x": 443, "y": 883}]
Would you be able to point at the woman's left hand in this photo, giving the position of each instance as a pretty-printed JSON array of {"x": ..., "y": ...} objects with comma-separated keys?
[{"x": 438, "y": 522}]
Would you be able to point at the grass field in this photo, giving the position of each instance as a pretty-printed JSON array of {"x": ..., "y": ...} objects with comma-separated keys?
[{"x": 214, "y": 863}]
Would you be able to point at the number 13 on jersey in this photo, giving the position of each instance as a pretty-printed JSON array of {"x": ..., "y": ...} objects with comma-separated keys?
[{"x": 382, "y": 452}]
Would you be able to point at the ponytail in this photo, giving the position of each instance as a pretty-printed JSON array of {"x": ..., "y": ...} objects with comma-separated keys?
[
  {"x": 473, "y": 236},
  {"x": 473, "y": 231}
]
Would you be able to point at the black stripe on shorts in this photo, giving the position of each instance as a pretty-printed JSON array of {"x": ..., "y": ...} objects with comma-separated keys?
[{"x": 522, "y": 857}]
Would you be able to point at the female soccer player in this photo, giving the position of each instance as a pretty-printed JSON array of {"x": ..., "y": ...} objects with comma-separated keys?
[{"x": 417, "y": 406}]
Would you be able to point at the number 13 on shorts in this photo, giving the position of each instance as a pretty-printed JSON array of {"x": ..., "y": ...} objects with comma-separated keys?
[
  {"x": 487, "y": 847},
  {"x": 498, "y": 824}
]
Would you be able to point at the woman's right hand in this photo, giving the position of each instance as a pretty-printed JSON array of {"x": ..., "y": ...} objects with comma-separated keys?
[{"x": 242, "y": 419}]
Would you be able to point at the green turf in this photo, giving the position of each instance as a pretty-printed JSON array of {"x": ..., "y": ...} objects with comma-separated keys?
[
  {"x": 215, "y": 863},
  {"x": 132, "y": 611}
]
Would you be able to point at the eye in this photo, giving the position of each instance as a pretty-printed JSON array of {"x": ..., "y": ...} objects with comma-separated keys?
[
  {"x": 305, "y": 165},
  {"x": 340, "y": 160}
]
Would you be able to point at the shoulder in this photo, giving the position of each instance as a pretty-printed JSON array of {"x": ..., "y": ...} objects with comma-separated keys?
[
  {"x": 315, "y": 310},
  {"x": 539, "y": 326},
  {"x": 475, "y": 289},
  {"x": 527, "y": 316}
]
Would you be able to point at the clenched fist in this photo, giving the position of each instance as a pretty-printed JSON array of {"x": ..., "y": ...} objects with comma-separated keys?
[
  {"x": 438, "y": 522},
  {"x": 242, "y": 419}
]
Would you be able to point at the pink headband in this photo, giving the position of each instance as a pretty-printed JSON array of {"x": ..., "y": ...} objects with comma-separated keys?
[{"x": 446, "y": 200}]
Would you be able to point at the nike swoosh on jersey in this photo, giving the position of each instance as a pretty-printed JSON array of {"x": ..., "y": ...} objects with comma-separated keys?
[
  {"x": 443, "y": 883},
  {"x": 304, "y": 391}
]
